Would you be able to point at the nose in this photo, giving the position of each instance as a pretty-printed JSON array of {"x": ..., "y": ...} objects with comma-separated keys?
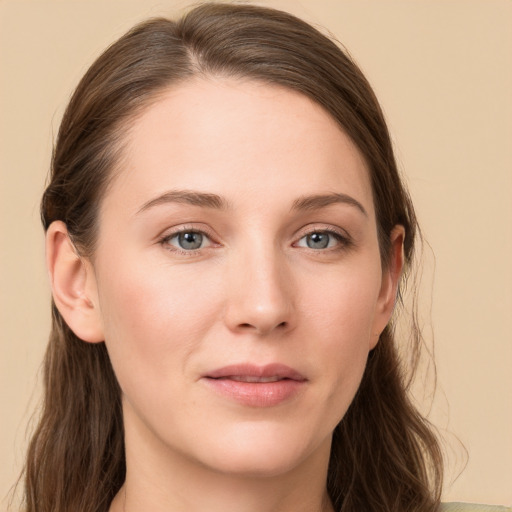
[{"x": 260, "y": 295}]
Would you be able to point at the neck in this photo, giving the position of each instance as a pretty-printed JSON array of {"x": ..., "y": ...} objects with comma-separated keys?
[
  {"x": 224, "y": 496},
  {"x": 162, "y": 480}
]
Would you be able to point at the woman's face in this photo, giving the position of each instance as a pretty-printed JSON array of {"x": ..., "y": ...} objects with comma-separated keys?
[{"x": 237, "y": 277}]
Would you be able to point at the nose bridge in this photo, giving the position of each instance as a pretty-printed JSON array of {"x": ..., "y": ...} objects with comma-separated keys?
[{"x": 260, "y": 295}]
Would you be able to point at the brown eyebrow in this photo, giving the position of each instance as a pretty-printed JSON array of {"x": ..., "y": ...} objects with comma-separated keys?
[
  {"x": 208, "y": 200},
  {"x": 318, "y": 201},
  {"x": 194, "y": 198}
]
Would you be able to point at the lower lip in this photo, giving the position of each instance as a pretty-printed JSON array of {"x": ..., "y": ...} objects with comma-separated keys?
[{"x": 257, "y": 394}]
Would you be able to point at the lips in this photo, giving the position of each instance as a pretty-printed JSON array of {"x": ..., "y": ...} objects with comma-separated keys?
[{"x": 256, "y": 386}]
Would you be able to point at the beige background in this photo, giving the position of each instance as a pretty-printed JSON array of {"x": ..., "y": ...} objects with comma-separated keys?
[{"x": 443, "y": 72}]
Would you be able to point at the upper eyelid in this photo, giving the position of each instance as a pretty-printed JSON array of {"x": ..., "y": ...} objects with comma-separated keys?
[
  {"x": 176, "y": 230},
  {"x": 315, "y": 228}
]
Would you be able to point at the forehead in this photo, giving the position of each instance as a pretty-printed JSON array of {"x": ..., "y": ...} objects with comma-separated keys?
[{"x": 239, "y": 139}]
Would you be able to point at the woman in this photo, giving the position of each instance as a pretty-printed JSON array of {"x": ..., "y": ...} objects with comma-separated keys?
[{"x": 226, "y": 233}]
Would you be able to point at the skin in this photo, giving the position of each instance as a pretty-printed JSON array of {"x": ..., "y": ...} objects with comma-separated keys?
[{"x": 254, "y": 291}]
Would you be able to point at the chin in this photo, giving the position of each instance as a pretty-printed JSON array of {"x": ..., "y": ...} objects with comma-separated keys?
[
  {"x": 247, "y": 464},
  {"x": 263, "y": 451}
]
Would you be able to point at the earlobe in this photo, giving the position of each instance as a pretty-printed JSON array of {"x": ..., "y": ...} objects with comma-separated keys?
[
  {"x": 73, "y": 285},
  {"x": 390, "y": 281}
]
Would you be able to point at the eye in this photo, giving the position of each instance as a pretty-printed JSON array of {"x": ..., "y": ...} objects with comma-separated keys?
[
  {"x": 320, "y": 240},
  {"x": 188, "y": 240}
]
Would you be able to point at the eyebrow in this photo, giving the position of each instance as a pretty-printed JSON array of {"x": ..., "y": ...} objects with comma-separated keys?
[
  {"x": 317, "y": 201},
  {"x": 214, "y": 201},
  {"x": 191, "y": 197}
]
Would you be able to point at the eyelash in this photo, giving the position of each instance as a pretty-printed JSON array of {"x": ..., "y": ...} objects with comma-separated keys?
[{"x": 342, "y": 239}]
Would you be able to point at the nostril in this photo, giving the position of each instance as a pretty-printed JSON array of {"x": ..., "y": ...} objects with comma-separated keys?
[{"x": 246, "y": 325}]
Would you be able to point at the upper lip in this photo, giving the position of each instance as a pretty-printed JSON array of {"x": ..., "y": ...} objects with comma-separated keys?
[{"x": 273, "y": 370}]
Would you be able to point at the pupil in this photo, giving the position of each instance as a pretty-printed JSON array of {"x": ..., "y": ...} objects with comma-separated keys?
[
  {"x": 318, "y": 240},
  {"x": 190, "y": 240}
]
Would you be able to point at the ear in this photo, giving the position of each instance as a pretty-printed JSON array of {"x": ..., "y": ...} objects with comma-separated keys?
[
  {"x": 390, "y": 281},
  {"x": 73, "y": 285}
]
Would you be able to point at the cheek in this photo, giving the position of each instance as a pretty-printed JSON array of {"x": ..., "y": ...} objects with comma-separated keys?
[
  {"x": 341, "y": 315},
  {"x": 154, "y": 318},
  {"x": 343, "y": 303}
]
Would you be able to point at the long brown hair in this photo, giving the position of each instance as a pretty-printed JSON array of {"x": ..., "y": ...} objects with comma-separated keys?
[{"x": 384, "y": 455}]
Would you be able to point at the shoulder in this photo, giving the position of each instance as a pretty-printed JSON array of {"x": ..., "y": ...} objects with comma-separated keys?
[{"x": 472, "y": 507}]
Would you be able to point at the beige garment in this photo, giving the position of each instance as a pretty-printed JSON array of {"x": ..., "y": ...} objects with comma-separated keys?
[{"x": 472, "y": 507}]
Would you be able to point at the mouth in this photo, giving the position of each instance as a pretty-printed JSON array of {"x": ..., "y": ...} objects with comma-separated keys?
[
  {"x": 248, "y": 378},
  {"x": 256, "y": 386},
  {"x": 247, "y": 372}
]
